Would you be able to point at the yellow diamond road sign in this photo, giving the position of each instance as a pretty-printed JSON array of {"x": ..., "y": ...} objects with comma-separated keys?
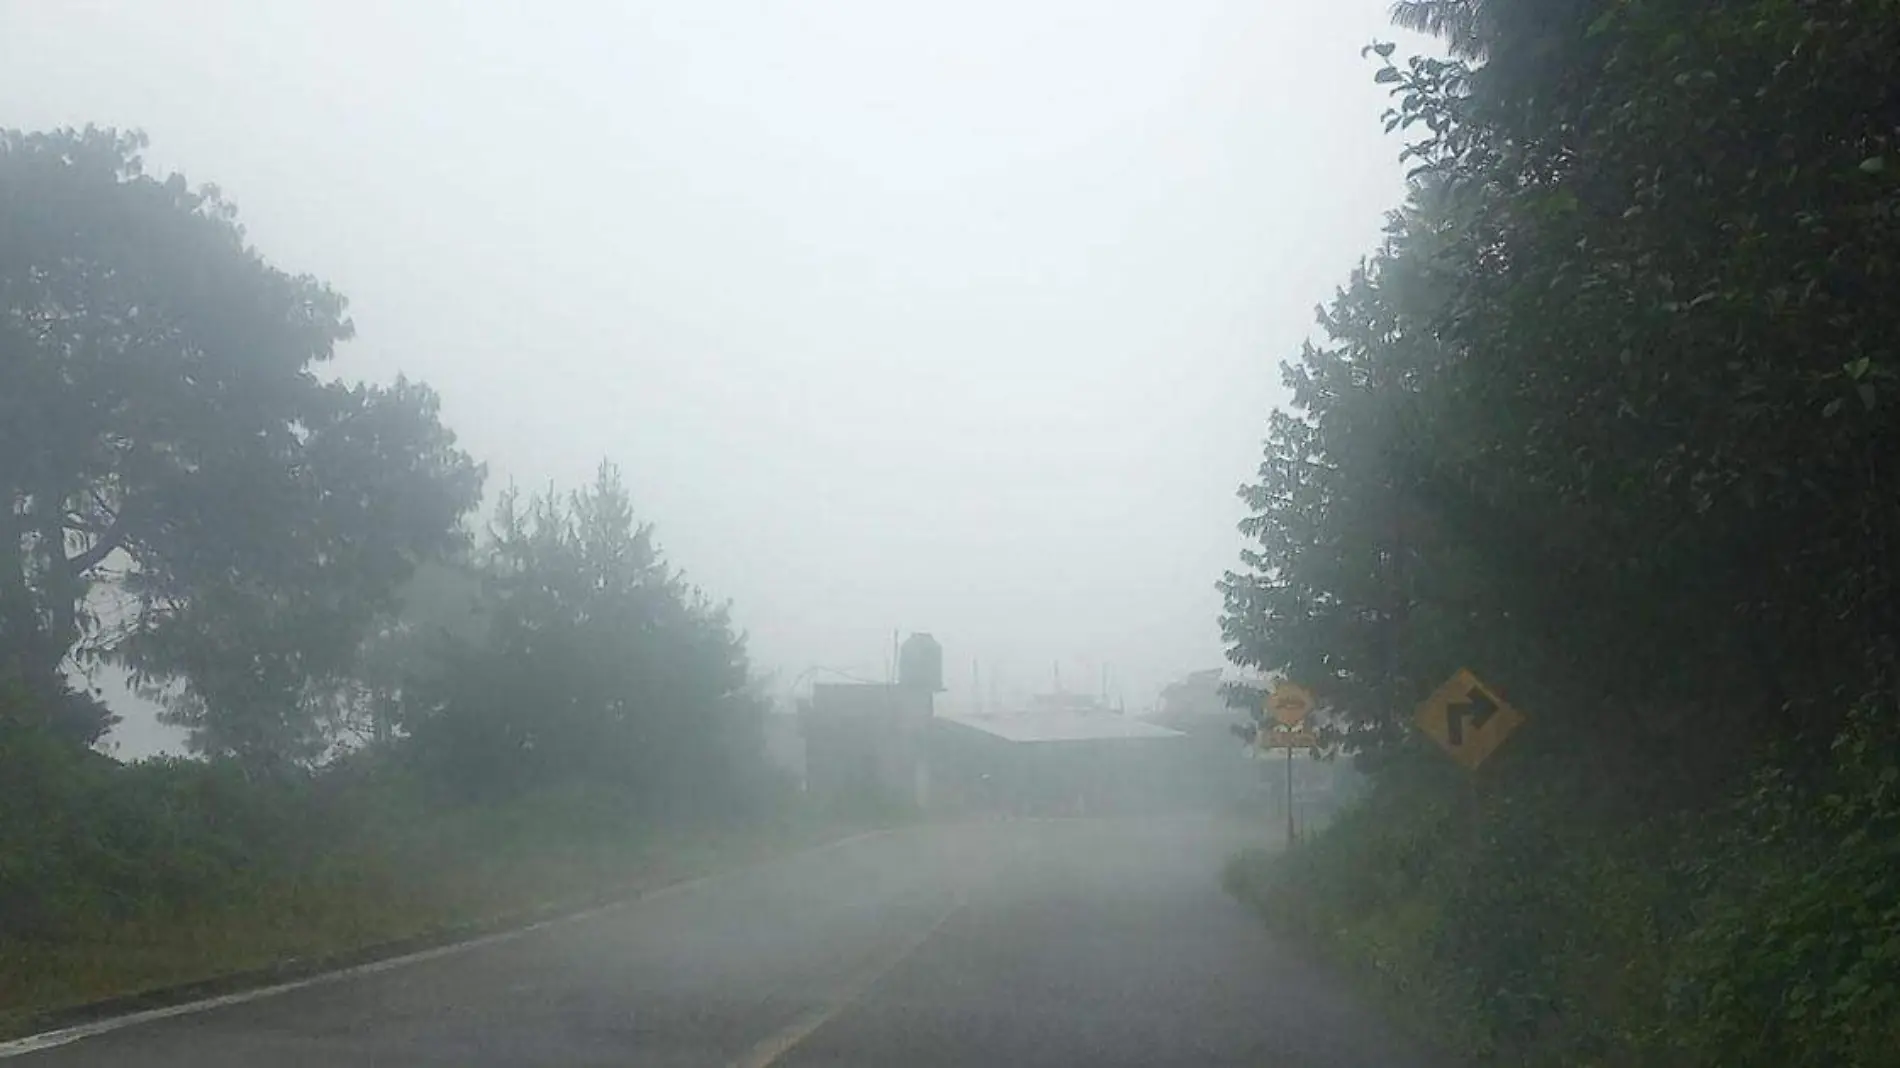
[
  {"x": 1467, "y": 720},
  {"x": 1288, "y": 739},
  {"x": 1290, "y": 703}
]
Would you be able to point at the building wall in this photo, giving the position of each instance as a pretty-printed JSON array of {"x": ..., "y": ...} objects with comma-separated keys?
[
  {"x": 980, "y": 773},
  {"x": 863, "y": 743},
  {"x": 785, "y": 745}
]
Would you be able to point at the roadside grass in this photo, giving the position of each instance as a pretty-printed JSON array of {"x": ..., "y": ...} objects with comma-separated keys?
[
  {"x": 411, "y": 880},
  {"x": 1758, "y": 932}
]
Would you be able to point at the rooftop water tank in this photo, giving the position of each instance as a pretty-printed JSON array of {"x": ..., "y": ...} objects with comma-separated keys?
[{"x": 920, "y": 664}]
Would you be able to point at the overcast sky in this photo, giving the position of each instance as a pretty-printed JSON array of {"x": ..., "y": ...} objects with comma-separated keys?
[{"x": 959, "y": 317}]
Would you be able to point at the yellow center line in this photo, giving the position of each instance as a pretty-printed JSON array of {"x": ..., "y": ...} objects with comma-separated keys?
[{"x": 786, "y": 1039}]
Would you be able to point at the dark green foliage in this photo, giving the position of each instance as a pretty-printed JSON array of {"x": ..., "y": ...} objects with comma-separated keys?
[
  {"x": 396, "y": 733},
  {"x": 1795, "y": 958},
  {"x": 85, "y": 840},
  {"x": 1758, "y": 932},
  {"x": 1609, "y": 420},
  {"x": 1608, "y": 390},
  {"x": 596, "y": 662},
  {"x": 163, "y": 435},
  {"x": 116, "y": 878},
  {"x": 164, "y": 439}
]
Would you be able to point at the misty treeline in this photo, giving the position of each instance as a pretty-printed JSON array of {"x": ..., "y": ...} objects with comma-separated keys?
[
  {"x": 1611, "y": 418},
  {"x": 295, "y": 569}
]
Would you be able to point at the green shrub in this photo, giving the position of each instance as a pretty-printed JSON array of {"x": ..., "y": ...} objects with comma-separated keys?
[
  {"x": 1794, "y": 958},
  {"x": 1763, "y": 932},
  {"x": 85, "y": 840}
]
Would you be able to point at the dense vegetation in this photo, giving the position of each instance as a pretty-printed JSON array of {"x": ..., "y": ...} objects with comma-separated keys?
[
  {"x": 1610, "y": 420},
  {"x": 399, "y": 724}
]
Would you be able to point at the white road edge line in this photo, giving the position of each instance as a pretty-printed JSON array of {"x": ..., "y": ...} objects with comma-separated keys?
[{"x": 63, "y": 1036}]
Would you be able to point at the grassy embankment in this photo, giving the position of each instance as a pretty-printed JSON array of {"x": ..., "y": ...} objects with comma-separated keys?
[
  {"x": 120, "y": 881},
  {"x": 1763, "y": 930}
]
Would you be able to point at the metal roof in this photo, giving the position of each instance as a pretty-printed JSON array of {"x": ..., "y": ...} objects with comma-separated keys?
[{"x": 1060, "y": 726}]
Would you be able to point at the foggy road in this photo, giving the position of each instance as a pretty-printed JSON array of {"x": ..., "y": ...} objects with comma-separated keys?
[{"x": 1016, "y": 943}]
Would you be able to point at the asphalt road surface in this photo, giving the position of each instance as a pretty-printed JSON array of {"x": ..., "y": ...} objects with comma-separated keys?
[{"x": 1020, "y": 943}]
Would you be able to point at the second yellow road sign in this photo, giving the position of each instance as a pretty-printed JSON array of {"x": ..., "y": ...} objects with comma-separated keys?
[
  {"x": 1289, "y": 703},
  {"x": 1289, "y": 739}
]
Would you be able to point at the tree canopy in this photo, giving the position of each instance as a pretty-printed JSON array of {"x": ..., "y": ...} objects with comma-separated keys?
[
  {"x": 1609, "y": 419},
  {"x": 1608, "y": 415},
  {"x": 593, "y": 659},
  {"x": 184, "y": 494}
]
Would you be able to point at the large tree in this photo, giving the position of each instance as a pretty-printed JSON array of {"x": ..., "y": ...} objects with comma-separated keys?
[
  {"x": 1612, "y": 414},
  {"x": 594, "y": 661},
  {"x": 181, "y": 490}
]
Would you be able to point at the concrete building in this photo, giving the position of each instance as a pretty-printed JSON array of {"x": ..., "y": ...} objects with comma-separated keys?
[
  {"x": 1060, "y": 756},
  {"x": 864, "y": 743}
]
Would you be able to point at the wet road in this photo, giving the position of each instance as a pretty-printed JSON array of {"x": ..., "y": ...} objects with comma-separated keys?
[{"x": 1020, "y": 943}]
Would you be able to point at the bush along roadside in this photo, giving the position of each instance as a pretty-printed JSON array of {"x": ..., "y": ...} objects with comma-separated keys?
[
  {"x": 157, "y": 881},
  {"x": 1764, "y": 930}
]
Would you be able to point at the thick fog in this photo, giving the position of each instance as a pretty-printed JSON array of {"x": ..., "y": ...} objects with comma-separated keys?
[{"x": 959, "y": 317}]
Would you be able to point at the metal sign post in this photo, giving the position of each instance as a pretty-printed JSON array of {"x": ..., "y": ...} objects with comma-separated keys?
[
  {"x": 1291, "y": 832},
  {"x": 1288, "y": 706}
]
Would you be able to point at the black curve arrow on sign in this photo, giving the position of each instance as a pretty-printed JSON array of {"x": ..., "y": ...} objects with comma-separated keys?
[{"x": 1478, "y": 705}]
